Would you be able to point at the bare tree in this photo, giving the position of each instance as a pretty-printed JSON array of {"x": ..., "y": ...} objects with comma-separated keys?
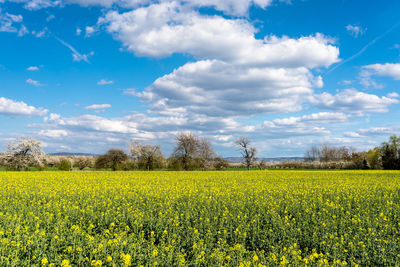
[
  {"x": 24, "y": 153},
  {"x": 248, "y": 153},
  {"x": 187, "y": 149},
  {"x": 148, "y": 156},
  {"x": 312, "y": 154},
  {"x": 206, "y": 153}
]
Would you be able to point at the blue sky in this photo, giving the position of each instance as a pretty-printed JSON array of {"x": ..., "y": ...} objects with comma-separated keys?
[{"x": 88, "y": 75}]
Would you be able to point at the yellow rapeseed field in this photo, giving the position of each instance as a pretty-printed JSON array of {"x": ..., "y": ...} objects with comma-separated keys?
[{"x": 234, "y": 218}]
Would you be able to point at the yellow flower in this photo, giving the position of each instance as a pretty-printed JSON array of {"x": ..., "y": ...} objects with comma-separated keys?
[
  {"x": 65, "y": 263},
  {"x": 109, "y": 259},
  {"x": 44, "y": 261},
  {"x": 255, "y": 257},
  {"x": 284, "y": 261},
  {"x": 155, "y": 253},
  {"x": 126, "y": 258}
]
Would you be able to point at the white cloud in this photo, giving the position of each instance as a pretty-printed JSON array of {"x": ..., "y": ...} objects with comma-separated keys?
[
  {"x": 353, "y": 101},
  {"x": 53, "y": 133},
  {"x": 33, "y": 82},
  {"x": 22, "y": 31},
  {"x": 33, "y": 68},
  {"x": 391, "y": 70},
  {"x": 78, "y": 31},
  {"x": 236, "y": 75},
  {"x": 315, "y": 118},
  {"x": 8, "y": 21},
  {"x": 167, "y": 28},
  {"x": 393, "y": 95},
  {"x": 355, "y": 30},
  {"x": 104, "y": 82},
  {"x": 50, "y": 17},
  {"x": 216, "y": 88},
  {"x": 13, "y": 108},
  {"x": 90, "y": 31},
  {"x": 41, "y": 33},
  {"x": 372, "y": 132},
  {"x": 98, "y": 106},
  {"x": 231, "y": 7},
  {"x": 39, "y": 4},
  {"x": 353, "y": 135},
  {"x": 93, "y": 123},
  {"x": 379, "y": 131}
]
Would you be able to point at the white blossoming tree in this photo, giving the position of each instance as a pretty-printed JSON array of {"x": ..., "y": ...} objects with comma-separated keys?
[{"x": 24, "y": 153}]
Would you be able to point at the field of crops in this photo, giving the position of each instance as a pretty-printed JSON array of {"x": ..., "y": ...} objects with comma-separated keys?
[{"x": 230, "y": 218}]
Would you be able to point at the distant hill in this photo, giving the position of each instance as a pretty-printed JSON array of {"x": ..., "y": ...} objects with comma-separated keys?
[
  {"x": 73, "y": 154},
  {"x": 278, "y": 159}
]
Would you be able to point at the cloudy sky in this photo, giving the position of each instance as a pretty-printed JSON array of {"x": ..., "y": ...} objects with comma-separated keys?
[{"x": 87, "y": 75}]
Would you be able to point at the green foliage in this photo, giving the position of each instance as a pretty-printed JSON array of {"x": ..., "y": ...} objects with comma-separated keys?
[
  {"x": 65, "y": 165},
  {"x": 114, "y": 159},
  {"x": 390, "y": 152},
  {"x": 102, "y": 162},
  {"x": 220, "y": 163}
]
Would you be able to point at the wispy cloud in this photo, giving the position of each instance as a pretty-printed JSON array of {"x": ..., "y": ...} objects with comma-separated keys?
[
  {"x": 355, "y": 30},
  {"x": 33, "y": 82},
  {"x": 364, "y": 48},
  {"x": 33, "y": 68},
  {"x": 76, "y": 56},
  {"x": 98, "y": 106},
  {"x": 104, "y": 82}
]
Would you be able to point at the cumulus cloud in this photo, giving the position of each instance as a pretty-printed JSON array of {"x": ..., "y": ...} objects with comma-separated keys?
[
  {"x": 236, "y": 74},
  {"x": 222, "y": 129},
  {"x": 161, "y": 30},
  {"x": 13, "y": 108},
  {"x": 216, "y": 88},
  {"x": 355, "y": 30},
  {"x": 391, "y": 70},
  {"x": 33, "y": 82},
  {"x": 98, "y": 106},
  {"x": 354, "y": 102},
  {"x": 104, "y": 82}
]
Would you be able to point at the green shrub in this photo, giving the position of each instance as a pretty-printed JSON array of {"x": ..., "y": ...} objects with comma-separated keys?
[{"x": 64, "y": 165}]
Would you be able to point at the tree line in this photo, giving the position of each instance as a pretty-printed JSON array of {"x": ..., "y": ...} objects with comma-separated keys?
[
  {"x": 386, "y": 156},
  {"x": 191, "y": 152}
]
